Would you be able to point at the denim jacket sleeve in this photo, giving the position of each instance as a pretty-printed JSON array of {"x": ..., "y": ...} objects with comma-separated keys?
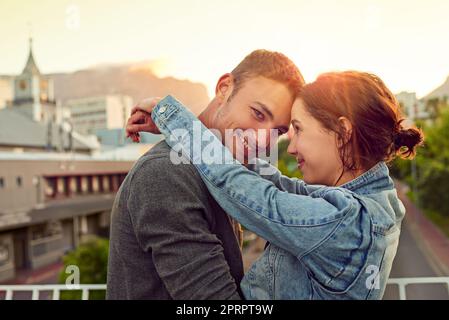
[
  {"x": 282, "y": 182},
  {"x": 295, "y": 222}
]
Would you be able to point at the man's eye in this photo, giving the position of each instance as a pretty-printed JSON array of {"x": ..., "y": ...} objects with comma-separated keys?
[
  {"x": 258, "y": 114},
  {"x": 281, "y": 132}
]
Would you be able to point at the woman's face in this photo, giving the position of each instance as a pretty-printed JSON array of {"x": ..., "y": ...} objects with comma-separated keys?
[{"x": 314, "y": 147}]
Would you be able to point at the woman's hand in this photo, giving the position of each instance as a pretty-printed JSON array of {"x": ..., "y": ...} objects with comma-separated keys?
[{"x": 140, "y": 119}]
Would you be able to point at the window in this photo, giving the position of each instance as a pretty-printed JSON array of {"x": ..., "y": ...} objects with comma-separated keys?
[
  {"x": 5, "y": 250},
  {"x": 22, "y": 84},
  {"x": 50, "y": 187},
  {"x": 73, "y": 185},
  {"x": 106, "y": 186},
  {"x": 19, "y": 181}
]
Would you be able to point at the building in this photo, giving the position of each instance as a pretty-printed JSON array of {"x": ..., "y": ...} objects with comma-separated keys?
[
  {"x": 116, "y": 137},
  {"x": 441, "y": 92},
  {"x": 31, "y": 121},
  {"x": 33, "y": 93},
  {"x": 114, "y": 145},
  {"x": 6, "y": 91},
  {"x": 88, "y": 115},
  {"x": 19, "y": 133},
  {"x": 414, "y": 109},
  {"x": 56, "y": 186},
  {"x": 49, "y": 203}
]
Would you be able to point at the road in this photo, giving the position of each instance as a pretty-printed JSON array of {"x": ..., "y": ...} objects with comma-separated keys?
[{"x": 412, "y": 261}]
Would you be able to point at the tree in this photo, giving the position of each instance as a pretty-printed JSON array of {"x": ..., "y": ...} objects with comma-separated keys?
[
  {"x": 287, "y": 164},
  {"x": 91, "y": 258},
  {"x": 432, "y": 163}
]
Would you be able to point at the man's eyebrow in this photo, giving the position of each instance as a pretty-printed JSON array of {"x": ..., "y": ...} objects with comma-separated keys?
[{"x": 265, "y": 108}]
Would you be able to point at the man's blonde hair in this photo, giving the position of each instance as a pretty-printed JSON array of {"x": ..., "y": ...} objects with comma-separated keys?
[{"x": 269, "y": 64}]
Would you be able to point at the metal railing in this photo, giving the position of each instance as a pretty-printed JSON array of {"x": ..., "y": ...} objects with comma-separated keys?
[
  {"x": 86, "y": 288},
  {"x": 403, "y": 282},
  {"x": 54, "y": 288}
]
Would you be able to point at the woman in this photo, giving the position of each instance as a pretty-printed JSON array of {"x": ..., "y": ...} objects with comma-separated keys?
[{"x": 334, "y": 234}]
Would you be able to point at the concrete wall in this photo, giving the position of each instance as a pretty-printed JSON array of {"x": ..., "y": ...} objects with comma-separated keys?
[
  {"x": 6, "y": 91},
  {"x": 103, "y": 112},
  {"x": 24, "y": 185},
  {"x": 7, "y": 270}
]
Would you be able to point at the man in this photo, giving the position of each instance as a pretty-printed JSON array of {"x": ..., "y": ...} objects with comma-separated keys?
[{"x": 169, "y": 238}]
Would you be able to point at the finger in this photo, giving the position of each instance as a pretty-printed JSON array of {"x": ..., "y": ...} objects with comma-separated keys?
[
  {"x": 135, "y": 137},
  {"x": 148, "y": 104},
  {"x": 139, "y": 108},
  {"x": 143, "y": 114},
  {"x": 136, "y": 118},
  {"x": 134, "y": 128},
  {"x": 135, "y": 109}
]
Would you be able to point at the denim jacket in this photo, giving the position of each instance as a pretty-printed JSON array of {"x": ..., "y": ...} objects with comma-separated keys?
[{"x": 325, "y": 242}]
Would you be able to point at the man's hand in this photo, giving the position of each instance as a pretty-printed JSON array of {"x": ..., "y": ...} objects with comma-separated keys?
[{"x": 140, "y": 119}]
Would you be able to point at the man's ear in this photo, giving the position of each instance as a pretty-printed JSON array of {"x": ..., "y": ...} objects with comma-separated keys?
[
  {"x": 346, "y": 126},
  {"x": 224, "y": 87}
]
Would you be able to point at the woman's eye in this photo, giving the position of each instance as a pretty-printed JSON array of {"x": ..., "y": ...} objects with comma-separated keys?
[{"x": 258, "y": 114}]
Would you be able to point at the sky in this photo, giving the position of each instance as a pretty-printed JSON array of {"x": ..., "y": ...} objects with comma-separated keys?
[{"x": 404, "y": 42}]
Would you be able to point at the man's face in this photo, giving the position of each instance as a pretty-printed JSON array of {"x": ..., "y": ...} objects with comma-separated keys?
[{"x": 260, "y": 104}]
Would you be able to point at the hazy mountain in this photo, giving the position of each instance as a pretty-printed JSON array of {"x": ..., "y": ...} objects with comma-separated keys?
[
  {"x": 129, "y": 79},
  {"x": 440, "y": 92}
]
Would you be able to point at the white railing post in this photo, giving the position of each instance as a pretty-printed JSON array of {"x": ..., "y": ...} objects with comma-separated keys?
[
  {"x": 55, "y": 294},
  {"x": 85, "y": 294},
  {"x": 8, "y": 294},
  {"x": 85, "y": 288},
  {"x": 402, "y": 292},
  {"x": 35, "y": 294},
  {"x": 403, "y": 282},
  {"x": 55, "y": 289}
]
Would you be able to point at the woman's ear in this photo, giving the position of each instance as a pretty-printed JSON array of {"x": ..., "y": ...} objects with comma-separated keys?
[
  {"x": 346, "y": 126},
  {"x": 224, "y": 87}
]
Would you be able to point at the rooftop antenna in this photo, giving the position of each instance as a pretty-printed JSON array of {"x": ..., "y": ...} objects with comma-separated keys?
[
  {"x": 30, "y": 36},
  {"x": 30, "y": 32}
]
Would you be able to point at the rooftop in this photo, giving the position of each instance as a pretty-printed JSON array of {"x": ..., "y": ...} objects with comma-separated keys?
[{"x": 17, "y": 130}]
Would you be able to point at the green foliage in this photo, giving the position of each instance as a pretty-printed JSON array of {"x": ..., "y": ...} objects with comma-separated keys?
[
  {"x": 91, "y": 258},
  {"x": 435, "y": 106},
  {"x": 287, "y": 164},
  {"x": 432, "y": 163},
  {"x": 439, "y": 220}
]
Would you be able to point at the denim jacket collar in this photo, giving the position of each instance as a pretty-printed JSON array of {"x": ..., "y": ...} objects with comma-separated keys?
[{"x": 375, "y": 179}]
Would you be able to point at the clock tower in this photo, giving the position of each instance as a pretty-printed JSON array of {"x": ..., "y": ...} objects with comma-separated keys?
[{"x": 33, "y": 92}]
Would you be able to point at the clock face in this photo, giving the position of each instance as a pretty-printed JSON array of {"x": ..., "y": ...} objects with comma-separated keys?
[{"x": 22, "y": 84}]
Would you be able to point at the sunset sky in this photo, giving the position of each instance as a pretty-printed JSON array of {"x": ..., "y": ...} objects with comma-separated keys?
[{"x": 405, "y": 42}]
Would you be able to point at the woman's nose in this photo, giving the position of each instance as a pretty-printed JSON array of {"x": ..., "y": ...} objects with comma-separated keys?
[
  {"x": 290, "y": 133},
  {"x": 291, "y": 148}
]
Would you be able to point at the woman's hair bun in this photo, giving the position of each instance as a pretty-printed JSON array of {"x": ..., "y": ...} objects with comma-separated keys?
[{"x": 406, "y": 141}]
